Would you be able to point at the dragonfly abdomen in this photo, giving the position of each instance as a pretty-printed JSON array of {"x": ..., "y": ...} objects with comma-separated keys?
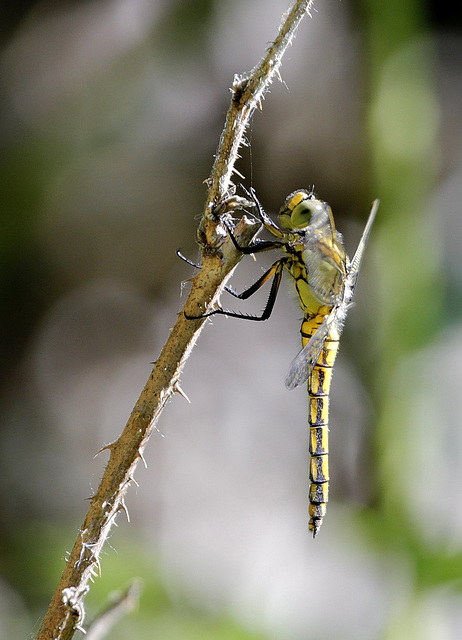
[{"x": 318, "y": 390}]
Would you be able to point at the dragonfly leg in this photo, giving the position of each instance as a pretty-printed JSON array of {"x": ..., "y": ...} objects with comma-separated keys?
[
  {"x": 275, "y": 272},
  {"x": 256, "y": 247},
  {"x": 262, "y": 215},
  {"x": 197, "y": 266},
  {"x": 187, "y": 260}
]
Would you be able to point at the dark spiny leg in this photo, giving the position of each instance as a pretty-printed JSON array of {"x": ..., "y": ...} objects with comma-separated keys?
[
  {"x": 197, "y": 266},
  {"x": 275, "y": 272}
]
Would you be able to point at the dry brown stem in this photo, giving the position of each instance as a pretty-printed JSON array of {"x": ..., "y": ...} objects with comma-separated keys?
[{"x": 66, "y": 611}]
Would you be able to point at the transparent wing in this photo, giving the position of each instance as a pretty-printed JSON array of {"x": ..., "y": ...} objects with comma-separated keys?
[
  {"x": 326, "y": 269},
  {"x": 325, "y": 259},
  {"x": 356, "y": 262},
  {"x": 320, "y": 225},
  {"x": 332, "y": 281},
  {"x": 303, "y": 364}
]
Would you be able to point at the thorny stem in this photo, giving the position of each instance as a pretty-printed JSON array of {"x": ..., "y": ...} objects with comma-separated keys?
[{"x": 66, "y": 610}]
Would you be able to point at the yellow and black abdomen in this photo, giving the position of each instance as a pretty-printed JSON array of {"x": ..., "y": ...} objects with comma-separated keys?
[{"x": 318, "y": 390}]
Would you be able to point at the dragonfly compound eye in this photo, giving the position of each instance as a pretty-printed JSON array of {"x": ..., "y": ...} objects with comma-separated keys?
[{"x": 299, "y": 209}]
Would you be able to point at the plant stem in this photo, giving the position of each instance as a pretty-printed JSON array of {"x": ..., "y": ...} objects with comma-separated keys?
[{"x": 66, "y": 611}]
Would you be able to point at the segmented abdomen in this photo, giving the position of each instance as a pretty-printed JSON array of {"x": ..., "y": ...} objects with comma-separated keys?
[{"x": 318, "y": 417}]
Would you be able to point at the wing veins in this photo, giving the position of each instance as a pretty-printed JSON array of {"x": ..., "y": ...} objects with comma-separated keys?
[{"x": 304, "y": 362}]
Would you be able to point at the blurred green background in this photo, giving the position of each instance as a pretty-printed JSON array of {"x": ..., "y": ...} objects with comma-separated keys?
[{"x": 110, "y": 116}]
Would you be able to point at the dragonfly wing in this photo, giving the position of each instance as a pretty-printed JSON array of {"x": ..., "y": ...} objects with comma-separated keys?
[
  {"x": 303, "y": 364},
  {"x": 356, "y": 262},
  {"x": 326, "y": 274},
  {"x": 325, "y": 258}
]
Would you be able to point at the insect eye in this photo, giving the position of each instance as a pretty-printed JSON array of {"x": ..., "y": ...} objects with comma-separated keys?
[
  {"x": 298, "y": 210},
  {"x": 303, "y": 212}
]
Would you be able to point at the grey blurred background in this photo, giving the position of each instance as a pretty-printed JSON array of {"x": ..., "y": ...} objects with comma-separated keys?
[{"x": 110, "y": 115}]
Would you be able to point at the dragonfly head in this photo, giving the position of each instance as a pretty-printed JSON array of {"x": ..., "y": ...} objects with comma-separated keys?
[{"x": 299, "y": 209}]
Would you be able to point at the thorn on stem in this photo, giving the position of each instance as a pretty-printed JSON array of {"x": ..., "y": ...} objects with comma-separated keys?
[
  {"x": 132, "y": 479},
  {"x": 123, "y": 507},
  {"x": 140, "y": 455},
  {"x": 107, "y": 447},
  {"x": 179, "y": 390}
]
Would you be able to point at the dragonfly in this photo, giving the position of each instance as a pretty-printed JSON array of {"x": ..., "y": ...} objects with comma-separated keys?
[{"x": 325, "y": 280}]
